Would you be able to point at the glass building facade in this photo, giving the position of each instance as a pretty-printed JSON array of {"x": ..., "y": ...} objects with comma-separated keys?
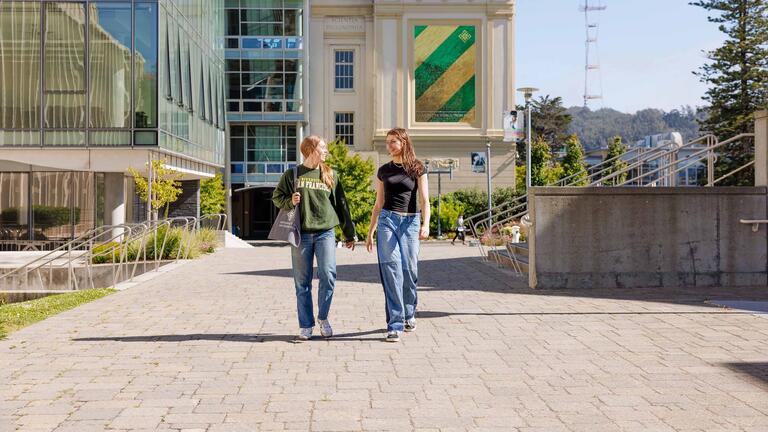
[
  {"x": 104, "y": 75},
  {"x": 265, "y": 60}
]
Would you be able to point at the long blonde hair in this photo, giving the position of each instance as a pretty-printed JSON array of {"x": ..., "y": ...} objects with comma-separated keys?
[
  {"x": 308, "y": 145},
  {"x": 414, "y": 168}
]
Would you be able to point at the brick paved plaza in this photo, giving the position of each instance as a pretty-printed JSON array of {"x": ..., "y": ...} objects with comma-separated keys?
[{"x": 210, "y": 346}]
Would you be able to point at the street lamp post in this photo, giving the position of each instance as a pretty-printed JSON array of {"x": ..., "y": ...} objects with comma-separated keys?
[{"x": 527, "y": 93}]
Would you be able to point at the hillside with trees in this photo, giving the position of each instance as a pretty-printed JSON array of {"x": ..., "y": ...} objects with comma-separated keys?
[{"x": 598, "y": 128}]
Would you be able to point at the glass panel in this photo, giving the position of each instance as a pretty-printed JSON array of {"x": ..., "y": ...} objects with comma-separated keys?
[
  {"x": 83, "y": 202},
  {"x": 237, "y": 168},
  {"x": 257, "y": 3},
  {"x": 252, "y": 106},
  {"x": 14, "y": 206},
  {"x": 233, "y": 22},
  {"x": 233, "y": 43},
  {"x": 237, "y": 152},
  {"x": 19, "y": 65},
  {"x": 146, "y": 64},
  {"x": 110, "y": 64},
  {"x": 293, "y": 23},
  {"x": 109, "y": 138},
  {"x": 52, "y": 205},
  {"x": 64, "y": 81},
  {"x": 64, "y": 138},
  {"x": 100, "y": 199},
  {"x": 19, "y": 138},
  {"x": 145, "y": 138},
  {"x": 173, "y": 56}
]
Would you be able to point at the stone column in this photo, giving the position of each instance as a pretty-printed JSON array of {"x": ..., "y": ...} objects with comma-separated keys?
[
  {"x": 114, "y": 200},
  {"x": 761, "y": 148}
]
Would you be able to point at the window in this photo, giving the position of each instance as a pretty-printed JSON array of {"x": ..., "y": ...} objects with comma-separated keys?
[
  {"x": 19, "y": 98},
  {"x": 345, "y": 127},
  {"x": 344, "y": 73},
  {"x": 64, "y": 66},
  {"x": 110, "y": 65},
  {"x": 145, "y": 64}
]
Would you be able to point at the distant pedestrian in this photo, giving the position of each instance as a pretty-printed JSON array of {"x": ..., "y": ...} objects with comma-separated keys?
[{"x": 459, "y": 230}]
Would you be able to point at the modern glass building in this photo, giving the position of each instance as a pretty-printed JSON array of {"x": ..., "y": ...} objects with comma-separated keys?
[
  {"x": 265, "y": 62},
  {"x": 91, "y": 88}
]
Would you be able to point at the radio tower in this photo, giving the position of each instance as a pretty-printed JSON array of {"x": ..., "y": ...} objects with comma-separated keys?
[{"x": 593, "y": 85}]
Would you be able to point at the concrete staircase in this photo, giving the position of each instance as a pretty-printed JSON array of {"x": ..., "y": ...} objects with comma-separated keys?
[{"x": 517, "y": 263}]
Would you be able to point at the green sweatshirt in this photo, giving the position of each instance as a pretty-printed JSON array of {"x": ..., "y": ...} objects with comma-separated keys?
[{"x": 321, "y": 207}]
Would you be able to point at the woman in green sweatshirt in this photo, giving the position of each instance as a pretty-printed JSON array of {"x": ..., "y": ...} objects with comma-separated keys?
[{"x": 322, "y": 207}]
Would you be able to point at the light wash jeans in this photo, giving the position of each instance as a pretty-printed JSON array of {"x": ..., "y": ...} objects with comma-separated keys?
[
  {"x": 323, "y": 246},
  {"x": 397, "y": 245}
]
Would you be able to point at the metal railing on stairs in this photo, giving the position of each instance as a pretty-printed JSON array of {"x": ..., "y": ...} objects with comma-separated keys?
[
  {"x": 123, "y": 246},
  {"x": 487, "y": 226}
]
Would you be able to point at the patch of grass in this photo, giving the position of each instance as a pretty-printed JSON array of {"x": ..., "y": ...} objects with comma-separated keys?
[{"x": 15, "y": 316}]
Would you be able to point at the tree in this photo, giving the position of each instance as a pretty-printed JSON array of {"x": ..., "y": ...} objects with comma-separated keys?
[
  {"x": 615, "y": 149},
  {"x": 737, "y": 75},
  {"x": 355, "y": 175},
  {"x": 212, "y": 195},
  {"x": 543, "y": 171},
  {"x": 574, "y": 168},
  {"x": 550, "y": 120},
  {"x": 166, "y": 187}
]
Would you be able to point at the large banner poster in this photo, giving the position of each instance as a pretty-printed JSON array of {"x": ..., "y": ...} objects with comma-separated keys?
[{"x": 445, "y": 73}]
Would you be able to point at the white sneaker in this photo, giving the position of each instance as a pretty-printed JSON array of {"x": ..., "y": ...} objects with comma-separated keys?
[
  {"x": 393, "y": 336},
  {"x": 410, "y": 324},
  {"x": 305, "y": 333},
  {"x": 325, "y": 328}
]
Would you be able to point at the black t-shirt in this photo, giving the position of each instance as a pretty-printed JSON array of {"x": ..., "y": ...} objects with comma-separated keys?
[{"x": 400, "y": 190}]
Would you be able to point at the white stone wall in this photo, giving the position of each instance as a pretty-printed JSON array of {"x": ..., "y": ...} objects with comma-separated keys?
[{"x": 379, "y": 33}]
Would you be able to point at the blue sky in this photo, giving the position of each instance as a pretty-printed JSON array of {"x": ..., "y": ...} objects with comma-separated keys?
[{"x": 647, "y": 48}]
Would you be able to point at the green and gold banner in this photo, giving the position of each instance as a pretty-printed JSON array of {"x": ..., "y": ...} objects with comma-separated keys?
[{"x": 445, "y": 73}]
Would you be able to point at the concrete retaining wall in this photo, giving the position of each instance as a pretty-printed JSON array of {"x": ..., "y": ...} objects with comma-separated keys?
[{"x": 648, "y": 237}]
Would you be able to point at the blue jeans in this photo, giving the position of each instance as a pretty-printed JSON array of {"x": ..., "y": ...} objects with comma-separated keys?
[
  {"x": 397, "y": 245},
  {"x": 323, "y": 246}
]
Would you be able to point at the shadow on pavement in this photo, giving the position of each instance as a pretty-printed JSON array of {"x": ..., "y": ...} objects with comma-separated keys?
[
  {"x": 753, "y": 372},
  {"x": 437, "y": 314},
  {"x": 230, "y": 337},
  {"x": 471, "y": 274}
]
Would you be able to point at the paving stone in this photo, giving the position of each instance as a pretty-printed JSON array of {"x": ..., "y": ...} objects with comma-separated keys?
[{"x": 211, "y": 346}]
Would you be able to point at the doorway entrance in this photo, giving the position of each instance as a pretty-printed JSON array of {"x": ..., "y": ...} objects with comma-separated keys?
[{"x": 253, "y": 213}]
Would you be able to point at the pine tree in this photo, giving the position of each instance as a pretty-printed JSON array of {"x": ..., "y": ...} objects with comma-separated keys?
[
  {"x": 737, "y": 75},
  {"x": 615, "y": 149},
  {"x": 550, "y": 120},
  {"x": 574, "y": 168}
]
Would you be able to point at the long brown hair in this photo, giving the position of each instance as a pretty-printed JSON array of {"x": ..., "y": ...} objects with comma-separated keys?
[
  {"x": 308, "y": 145},
  {"x": 414, "y": 168}
]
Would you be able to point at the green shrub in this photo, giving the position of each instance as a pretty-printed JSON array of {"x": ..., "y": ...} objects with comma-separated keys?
[
  {"x": 105, "y": 253},
  {"x": 450, "y": 210}
]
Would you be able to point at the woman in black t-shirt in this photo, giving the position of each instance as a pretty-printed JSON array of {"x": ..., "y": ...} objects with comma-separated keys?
[{"x": 401, "y": 189}]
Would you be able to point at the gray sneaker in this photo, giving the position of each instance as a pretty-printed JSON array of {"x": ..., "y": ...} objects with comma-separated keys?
[
  {"x": 393, "y": 336},
  {"x": 410, "y": 324},
  {"x": 305, "y": 333},
  {"x": 325, "y": 328}
]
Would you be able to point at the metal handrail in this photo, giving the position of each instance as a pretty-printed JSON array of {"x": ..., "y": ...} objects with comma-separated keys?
[
  {"x": 219, "y": 217},
  {"x": 707, "y": 149},
  {"x": 84, "y": 238},
  {"x": 663, "y": 154},
  {"x": 743, "y": 167}
]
